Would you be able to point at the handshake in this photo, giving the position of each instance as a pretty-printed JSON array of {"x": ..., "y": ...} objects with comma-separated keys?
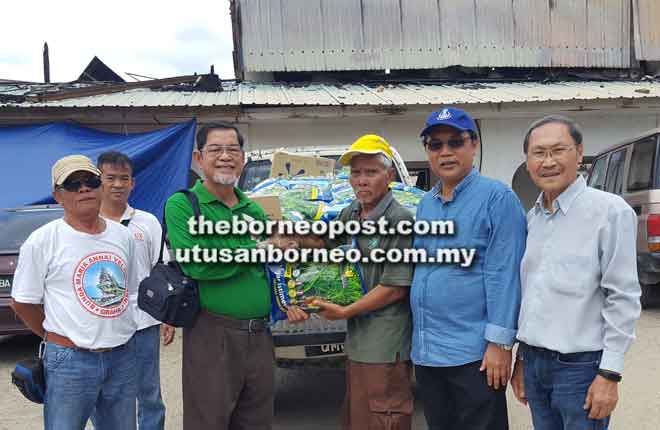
[
  {"x": 327, "y": 310},
  {"x": 282, "y": 242},
  {"x": 293, "y": 242}
]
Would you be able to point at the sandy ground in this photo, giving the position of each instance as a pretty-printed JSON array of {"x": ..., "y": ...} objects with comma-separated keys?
[{"x": 311, "y": 398}]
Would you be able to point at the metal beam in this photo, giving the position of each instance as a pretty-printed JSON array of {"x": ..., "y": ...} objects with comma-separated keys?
[{"x": 98, "y": 90}]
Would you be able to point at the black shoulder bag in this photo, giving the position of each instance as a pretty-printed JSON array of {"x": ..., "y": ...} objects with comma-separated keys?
[
  {"x": 167, "y": 294},
  {"x": 28, "y": 376}
]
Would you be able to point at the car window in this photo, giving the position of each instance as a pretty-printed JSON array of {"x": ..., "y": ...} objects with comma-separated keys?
[
  {"x": 614, "y": 182},
  {"x": 597, "y": 177},
  {"x": 640, "y": 176},
  {"x": 256, "y": 171},
  {"x": 253, "y": 173},
  {"x": 16, "y": 226}
]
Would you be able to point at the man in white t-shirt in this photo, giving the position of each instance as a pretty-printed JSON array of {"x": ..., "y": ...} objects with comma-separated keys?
[
  {"x": 75, "y": 286},
  {"x": 117, "y": 183}
]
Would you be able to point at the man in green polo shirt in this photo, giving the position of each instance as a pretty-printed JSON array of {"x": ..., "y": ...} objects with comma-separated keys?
[
  {"x": 378, "y": 369},
  {"x": 228, "y": 353}
]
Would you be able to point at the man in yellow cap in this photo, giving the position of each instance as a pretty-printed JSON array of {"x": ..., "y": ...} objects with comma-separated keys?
[
  {"x": 379, "y": 330},
  {"x": 75, "y": 287}
]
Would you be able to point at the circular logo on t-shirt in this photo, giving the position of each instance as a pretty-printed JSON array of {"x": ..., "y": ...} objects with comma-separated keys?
[{"x": 100, "y": 284}]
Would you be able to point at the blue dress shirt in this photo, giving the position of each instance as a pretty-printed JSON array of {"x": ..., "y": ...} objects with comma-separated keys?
[
  {"x": 580, "y": 290},
  {"x": 456, "y": 310}
]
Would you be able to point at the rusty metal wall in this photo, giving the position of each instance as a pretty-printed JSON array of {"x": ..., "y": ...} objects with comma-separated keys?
[
  {"x": 325, "y": 35},
  {"x": 647, "y": 30}
]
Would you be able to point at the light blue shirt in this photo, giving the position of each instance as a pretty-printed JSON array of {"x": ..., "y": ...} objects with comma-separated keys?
[
  {"x": 458, "y": 310},
  {"x": 580, "y": 290}
]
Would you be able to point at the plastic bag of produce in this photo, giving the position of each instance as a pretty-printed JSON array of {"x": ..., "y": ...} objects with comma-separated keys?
[
  {"x": 342, "y": 192},
  {"x": 301, "y": 198},
  {"x": 408, "y": 197},
  {"x": 298, "y": 284}
]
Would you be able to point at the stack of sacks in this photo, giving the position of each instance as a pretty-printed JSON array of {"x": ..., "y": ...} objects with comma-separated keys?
[{"x": 322, "y": 198}]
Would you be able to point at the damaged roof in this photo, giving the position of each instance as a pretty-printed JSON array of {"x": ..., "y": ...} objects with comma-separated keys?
[{"x": 317, "y": 94}]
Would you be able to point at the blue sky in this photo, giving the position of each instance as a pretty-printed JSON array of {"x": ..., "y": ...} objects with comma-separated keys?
[{"x": 157, "y": 39}]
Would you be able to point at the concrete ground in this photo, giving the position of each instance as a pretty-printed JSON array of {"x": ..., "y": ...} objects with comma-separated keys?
[{"x": 311, "y": 398}]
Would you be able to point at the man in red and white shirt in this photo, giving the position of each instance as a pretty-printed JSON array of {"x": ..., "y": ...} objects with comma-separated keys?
[{"x": 75, "y": 285}]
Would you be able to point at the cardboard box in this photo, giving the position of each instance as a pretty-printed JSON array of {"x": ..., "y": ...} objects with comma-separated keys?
[
  {"x": 270, "y": 205},
  {"x": 287, "y": 165}
]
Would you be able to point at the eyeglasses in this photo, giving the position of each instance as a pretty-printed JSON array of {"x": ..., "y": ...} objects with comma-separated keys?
[
  {"x": 554, "y": 153},
  {"x": 92, "y": 182},
  {"x": 217, "y": 150},
  {"x": 436, "y": 145}
]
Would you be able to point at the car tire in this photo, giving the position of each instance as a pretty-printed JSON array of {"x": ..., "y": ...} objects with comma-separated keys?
[{"x": 649, "y": 296}]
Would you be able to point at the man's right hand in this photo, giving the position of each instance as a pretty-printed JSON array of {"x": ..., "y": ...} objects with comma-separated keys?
[
  {"x": 296, "y": 315},
  {"x": 167, "y": 331},
  {"x": 518, "y": 382}
]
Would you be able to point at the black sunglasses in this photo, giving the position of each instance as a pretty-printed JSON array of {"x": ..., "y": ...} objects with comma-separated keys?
[
  {"x": 92, "y": 182},
  {"x": 436, "y": 145}
]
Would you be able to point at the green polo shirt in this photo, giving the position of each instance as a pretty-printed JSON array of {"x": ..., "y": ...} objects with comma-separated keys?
[
  {"x": 383, "y": 335},
  {"x": 236, "y": 290}
]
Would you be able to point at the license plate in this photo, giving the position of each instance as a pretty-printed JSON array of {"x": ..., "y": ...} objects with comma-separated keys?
[
  {"x": 5, "y": 283},
  {"x": 325, "y": 349}
]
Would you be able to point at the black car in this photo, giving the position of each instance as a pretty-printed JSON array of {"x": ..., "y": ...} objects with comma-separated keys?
[{"x": 15, "y": 227}]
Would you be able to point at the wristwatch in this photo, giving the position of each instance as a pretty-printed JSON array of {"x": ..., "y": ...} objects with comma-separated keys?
[
  {"x": 503, "y": 346},
  {"x": 609, "y": 375}
]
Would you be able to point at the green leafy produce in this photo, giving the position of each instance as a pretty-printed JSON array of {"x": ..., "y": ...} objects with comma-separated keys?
[
  {"x": 336, "y": 283},
  {"x": 408, "y": 198},
  {"x": 299, "y": 284},
  {"x": 296, "y": 208}
]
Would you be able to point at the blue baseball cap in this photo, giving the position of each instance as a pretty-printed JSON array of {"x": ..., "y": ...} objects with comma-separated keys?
[{"x": 451, "y": 117}]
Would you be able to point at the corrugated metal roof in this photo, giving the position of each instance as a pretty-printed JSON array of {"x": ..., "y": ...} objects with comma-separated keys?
[
  {"x": 330, "y": 35},
  {"x": 647, "y": 31},
  {"x": 251, "y": 94}
]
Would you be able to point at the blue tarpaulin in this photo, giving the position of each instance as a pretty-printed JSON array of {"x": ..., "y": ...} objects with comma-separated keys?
[{"x": 161, "y": 160}]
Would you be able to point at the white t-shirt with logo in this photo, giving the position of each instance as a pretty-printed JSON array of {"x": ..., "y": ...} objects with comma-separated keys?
[
  {"x": 146, "y": 231},
  {"x": 86, "y": 282}
]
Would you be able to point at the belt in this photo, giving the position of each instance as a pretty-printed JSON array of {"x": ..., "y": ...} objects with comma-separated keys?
[
  {"x": 549, "y": 352},
  {"x": 67, "y": 343},
  {"x": 537, "y": 349},
  {"x": 251, "y": 326}
]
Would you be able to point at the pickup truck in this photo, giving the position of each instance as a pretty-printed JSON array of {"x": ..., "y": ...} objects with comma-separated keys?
[{"x": 316, "y": 342}]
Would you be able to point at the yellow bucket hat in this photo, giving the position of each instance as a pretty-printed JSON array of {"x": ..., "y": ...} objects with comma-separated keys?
[{"x": 367, "y": 144}]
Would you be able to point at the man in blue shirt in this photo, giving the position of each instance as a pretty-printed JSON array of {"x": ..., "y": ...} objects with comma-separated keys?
[{"x": 465, "y": 318}]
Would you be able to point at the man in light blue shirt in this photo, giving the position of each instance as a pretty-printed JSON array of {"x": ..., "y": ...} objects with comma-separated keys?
[
  {"x": 580, "y": 292},
  {"x": 465, "y": 318}
]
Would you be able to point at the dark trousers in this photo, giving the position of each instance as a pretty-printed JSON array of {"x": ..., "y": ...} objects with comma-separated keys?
[
  {"x": 228, "y": 376},
  {"x": 459, "y": 398},
  {"x": 556, "y": 386}
]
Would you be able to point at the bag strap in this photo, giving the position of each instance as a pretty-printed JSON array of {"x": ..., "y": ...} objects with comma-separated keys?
[
  {"x": 194, "y": 202},
  {"x": 127, "y": 221}
]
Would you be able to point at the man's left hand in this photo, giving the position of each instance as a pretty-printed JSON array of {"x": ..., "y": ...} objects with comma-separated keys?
[
  {"x": 296, "y": 315},
  {"x": 602, "y": 398},
  {"x": 497, "y": 364},
  {"x": 330, "y": 311}
]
